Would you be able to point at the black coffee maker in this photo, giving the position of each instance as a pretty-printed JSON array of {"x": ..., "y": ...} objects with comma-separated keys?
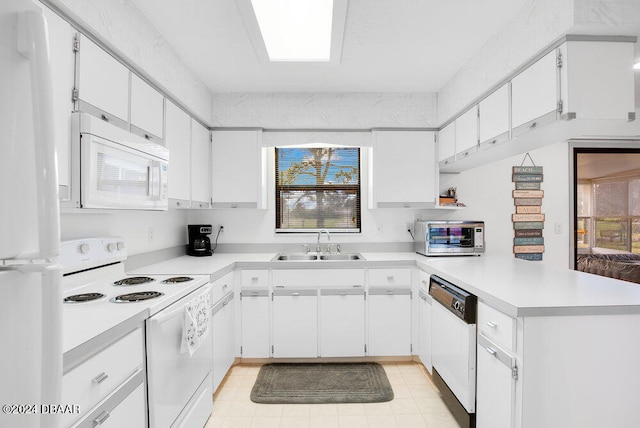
[{"x": 199, "y": 243}]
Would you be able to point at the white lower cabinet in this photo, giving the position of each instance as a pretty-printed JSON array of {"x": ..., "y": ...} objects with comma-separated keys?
[
  {"x": 295, "y": 323},
  {"x": 495, "y": 386},
  {"x": 254, "y": 323},
  {"x": 342, "y": 327},
  {"x": 131, "y": 412},
  {"x": 424, "y": 329},
  {"x": 389, "y": 322},
  {"x": 223, "y": 338}
]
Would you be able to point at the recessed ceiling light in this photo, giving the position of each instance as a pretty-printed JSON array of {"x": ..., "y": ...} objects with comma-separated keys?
[{"x": 295, "y": 30}]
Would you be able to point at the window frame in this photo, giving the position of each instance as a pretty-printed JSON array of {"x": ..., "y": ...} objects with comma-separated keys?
[{"x": 348, "y": 188}]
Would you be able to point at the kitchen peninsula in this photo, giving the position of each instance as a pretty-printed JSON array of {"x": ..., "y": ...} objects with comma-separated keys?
[{"x": 567, "y": 332}]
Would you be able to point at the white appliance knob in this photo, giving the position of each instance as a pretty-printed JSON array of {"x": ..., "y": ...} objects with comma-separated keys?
[
  {"x": 112, "y": 247},
  {"x": 120, "y": 245},
  {"x": 84, "y": 248}
]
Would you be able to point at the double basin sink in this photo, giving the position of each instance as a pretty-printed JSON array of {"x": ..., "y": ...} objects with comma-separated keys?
[{"x": 321, "y": 256}]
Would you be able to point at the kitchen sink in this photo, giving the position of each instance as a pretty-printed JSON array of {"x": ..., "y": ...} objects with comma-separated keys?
[
  {"x": 342, "y": 256},
  {"x": 311, "y": 257}
]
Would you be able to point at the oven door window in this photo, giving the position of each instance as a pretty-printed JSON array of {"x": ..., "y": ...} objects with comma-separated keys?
[{"x": 451, "y": 237}]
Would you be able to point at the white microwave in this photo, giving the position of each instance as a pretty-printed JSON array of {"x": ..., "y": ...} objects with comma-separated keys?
[{"x": 119, "y": 170}]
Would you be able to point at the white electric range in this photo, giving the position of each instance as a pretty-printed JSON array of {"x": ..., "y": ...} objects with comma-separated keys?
[{"x": 98, "y": 295}]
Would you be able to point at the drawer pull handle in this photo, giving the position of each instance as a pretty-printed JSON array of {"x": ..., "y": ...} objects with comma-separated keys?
[
  {"x": 225, "y": 286},
  {"x": 254, "y": 278},
  {"x": 492, "y": 352},
  {"x": 101, "y": 418},
  {"x": 100, "y": 378},
  {"x": 533, "y": 125},
  {"x": 254, "y": 293},
  {"x": 105, "y": 118},
  {"x": 295, "y": 294},
  {"x": 343, "y": 293},
  {"x": 491, "y": 324},
  {"x": 225, "y": 304},
  {"x": 390, "y": 292},
  {"x": 390, "y": 278}
]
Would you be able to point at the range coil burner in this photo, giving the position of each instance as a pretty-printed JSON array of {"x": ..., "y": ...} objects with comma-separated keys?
[
  {"x": 177, "y": 279},
  {"x": 81, "y": 298},
  {"x": 134, "y": 280},
  {"x": 136, "y": 297}
]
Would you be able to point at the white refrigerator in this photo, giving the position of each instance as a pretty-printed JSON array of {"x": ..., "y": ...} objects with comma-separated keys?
[{"x": 30, "y": 292}]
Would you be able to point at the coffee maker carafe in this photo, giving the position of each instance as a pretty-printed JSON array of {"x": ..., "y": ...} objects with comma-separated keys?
[{"x": 199, "y": 243}]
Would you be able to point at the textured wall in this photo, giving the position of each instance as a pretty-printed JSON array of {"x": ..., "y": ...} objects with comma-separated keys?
[
  {"x": 121, "y": 25},
  {"x": 325, "y": 110}
]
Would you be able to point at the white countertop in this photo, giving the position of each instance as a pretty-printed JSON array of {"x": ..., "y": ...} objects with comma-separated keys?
[{"x": 516, "y": 287}]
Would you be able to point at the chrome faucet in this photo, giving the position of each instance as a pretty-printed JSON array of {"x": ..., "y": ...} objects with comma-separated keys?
[{"x": 318, "y": 242}]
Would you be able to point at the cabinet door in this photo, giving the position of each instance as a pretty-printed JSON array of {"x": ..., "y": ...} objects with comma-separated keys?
[
  {"x": 147, "y": 110},
  {"x": 223, "y": 340},
  {"x": 495, "y": 387},
  {"x": 238, "y": 157},
  {"x": 255, "y": 324},
  {"x": 342, "y": 331},
  {"x": 131, "y": 412},
  {"x": 178, "y": 141},
  {"x": 200, "y": 166},
  {"x": 447, "y": 144},
  {"x": 414, "y": 184},
  {"x": 62, "y": 57},
  {"x": 295, "y": 323},
  {"x": 467, "y": 132},
  {"x": 534, "y": 94},
  {"x": 389, "y": 322},
  {"x": 424, "y": 330},
  {"x": 103, "y": 84},
  {"x": 494, "y": 116}
]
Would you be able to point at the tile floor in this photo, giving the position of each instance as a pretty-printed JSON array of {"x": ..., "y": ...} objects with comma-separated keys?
[{"x": 416, "y": 403}]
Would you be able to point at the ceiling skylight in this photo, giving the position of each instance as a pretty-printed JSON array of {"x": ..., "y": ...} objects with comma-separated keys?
[{"x": 295, "y": 30}]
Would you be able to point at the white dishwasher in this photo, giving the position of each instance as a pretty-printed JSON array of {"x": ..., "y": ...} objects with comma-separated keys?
[
  {"x": 179, "y": 381},
  {"x": 453, "y": 348}
]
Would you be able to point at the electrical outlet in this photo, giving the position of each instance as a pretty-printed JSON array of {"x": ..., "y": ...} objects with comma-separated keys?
[
  {"x": 220, "y": 228},
  {"x": 149, "y": 233},
  {"x": 379, "y": 229}
]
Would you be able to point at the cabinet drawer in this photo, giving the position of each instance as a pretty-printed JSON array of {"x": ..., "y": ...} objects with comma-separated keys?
[
  {"x": 255, "y": 278},
  {"x": 318, "y": 277},
  {"x": 88, "y": 383},
  {"x": 497, "y": 326},
  {"x": 220, "y": 287},
  {"x": 389, "y": 277}
]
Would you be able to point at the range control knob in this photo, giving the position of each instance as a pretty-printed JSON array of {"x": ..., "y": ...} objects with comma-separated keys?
[
  {"x": 112, "y": 247},
  {"x": 120, "y": 245},
  {"x": 84, "y": 248}
]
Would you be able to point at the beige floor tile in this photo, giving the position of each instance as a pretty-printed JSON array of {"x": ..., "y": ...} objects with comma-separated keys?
[
  {"x": 226, "y": 393},
  {"x": 382, "y": 421},
  {"x": 350, "y": 409},
  {"x": 353, "y": 421},
  {"x": 401, "y": 391},
  {"x": 423, "y": 391},
  {"x": 243, "y": 393},
  {"x": 233, "y": 380},
  {"x": 411, "y": 421},
  {"x": 214, "y": 422},
  {"x": 415, "y": 378},
  {"x": 241, "y": 408},
  {"x": 329, "y": 421},
  {"x": 269, "y": 410},
  {"x": 266, "y": 422},
  {"x": 377, "y": 409},
  {"x": 440, "y": 421},
  {"x": 248, "y": 381},
  {"x": 296, "y": 410},
  {"x": 396, "y": 379},
  {"x": 237, "y": 422},
  {"x": 294, "y": 422},
  {"x": 411, "y": 368},
  {"x": 404, "y": 406},
  {"x": 324, "y": 410},
  {"x": 220, "y": 408},
  {"x": 432, "y": 405}
]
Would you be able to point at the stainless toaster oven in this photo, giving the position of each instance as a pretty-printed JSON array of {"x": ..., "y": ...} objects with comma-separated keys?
[{"x": 449, "y": 238}]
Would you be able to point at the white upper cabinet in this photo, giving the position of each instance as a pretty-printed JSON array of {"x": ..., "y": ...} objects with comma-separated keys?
[
  {"x": 61, "y": 36},
  {"x": 599, "y": 80},
  {"x": 534, "y": 94},
  {"x": 147, "y": 110},
  {"x": 447, "y": 144},
  {"x": 467, "y": 132},
  {"x": 493, "y": 117},
  {"x": 178, "y": 141},
  {"x": 103, "y": 84},
  {"x": 238, "y": 169},
  {"x": 403, "y": 169},
  {"x": 200, "y": 166}
]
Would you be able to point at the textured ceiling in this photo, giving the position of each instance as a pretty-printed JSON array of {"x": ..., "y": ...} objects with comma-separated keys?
[{"x": 389, "y": 45}]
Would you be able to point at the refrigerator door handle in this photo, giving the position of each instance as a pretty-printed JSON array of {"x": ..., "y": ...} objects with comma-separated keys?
[{"x": 33, "y": 44}]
